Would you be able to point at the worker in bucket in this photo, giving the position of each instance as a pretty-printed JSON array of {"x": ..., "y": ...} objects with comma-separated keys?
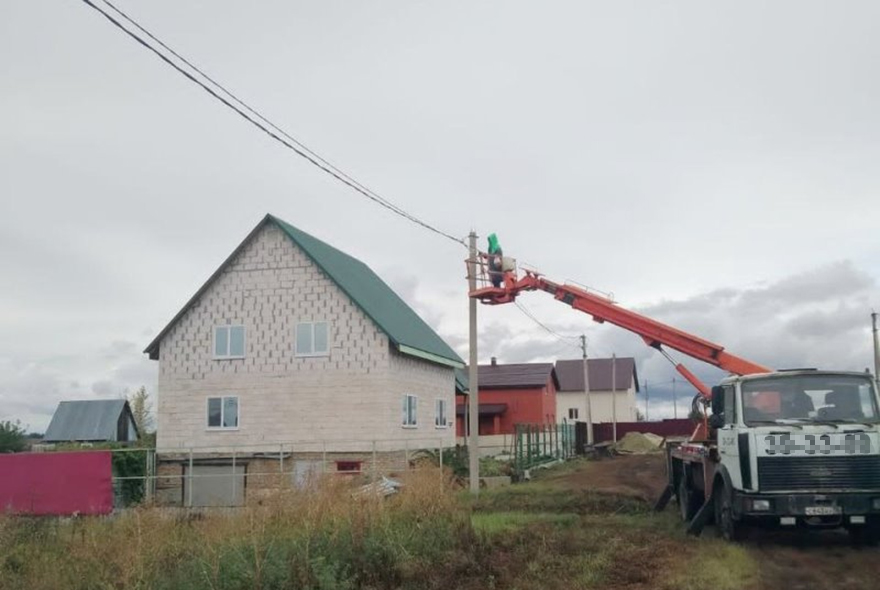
[{"x": 495, "y": 261}]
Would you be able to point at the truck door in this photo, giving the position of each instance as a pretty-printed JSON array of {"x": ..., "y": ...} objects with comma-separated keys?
[{"x": 728, "y": 447}]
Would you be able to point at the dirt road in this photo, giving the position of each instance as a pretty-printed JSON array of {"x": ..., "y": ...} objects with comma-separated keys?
[{"x": 790, "y": 560}]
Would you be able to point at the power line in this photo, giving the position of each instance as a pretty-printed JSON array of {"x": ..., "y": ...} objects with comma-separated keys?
[
  {"x": 269, "y": 128},
  {"x": 567, "y": 339}
]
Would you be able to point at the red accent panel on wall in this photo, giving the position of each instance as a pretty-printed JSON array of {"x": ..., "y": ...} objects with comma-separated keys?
[{"x": 56, "y": 483}]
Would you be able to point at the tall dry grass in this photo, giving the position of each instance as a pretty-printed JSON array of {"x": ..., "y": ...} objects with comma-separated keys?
[{"x": 324, "y": 537}]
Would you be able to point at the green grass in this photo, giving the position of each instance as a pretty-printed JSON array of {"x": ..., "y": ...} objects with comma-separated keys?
[
  {"x": 542, "y": 497},
  {"x": 493, "y": 523},
  {"x": 525, "y": 537}
]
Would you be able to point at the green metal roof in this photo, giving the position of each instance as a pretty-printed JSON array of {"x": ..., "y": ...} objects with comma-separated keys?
[
  {"x": 377, "y": 300},
  {"x": 406, "y": 330}
]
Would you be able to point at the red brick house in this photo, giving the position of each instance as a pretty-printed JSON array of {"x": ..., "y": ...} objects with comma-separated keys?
[{"x": 523, "y": 393}]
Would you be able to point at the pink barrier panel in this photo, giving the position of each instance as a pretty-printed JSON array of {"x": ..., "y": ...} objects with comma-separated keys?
[
  {"x": 56, "y": 483},
  {"x": 680, "y": 427}
]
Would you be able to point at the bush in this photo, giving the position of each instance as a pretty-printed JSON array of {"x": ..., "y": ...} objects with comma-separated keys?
[{"x": 12, "y": 437}]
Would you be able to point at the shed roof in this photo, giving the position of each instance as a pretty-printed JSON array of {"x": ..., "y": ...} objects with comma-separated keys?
[
  {"x": 86, "y": 420},
  {"x": 571, "y": 374},
  {"x": 516, "y": 376},
  {"x": 407, "y": 331}
]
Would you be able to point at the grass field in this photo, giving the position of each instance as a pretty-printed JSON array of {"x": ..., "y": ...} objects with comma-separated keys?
[{"x": 555, "y": 532}]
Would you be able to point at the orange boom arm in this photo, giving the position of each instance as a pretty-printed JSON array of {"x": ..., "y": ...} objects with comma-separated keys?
[{"x": 602, "y": 309}]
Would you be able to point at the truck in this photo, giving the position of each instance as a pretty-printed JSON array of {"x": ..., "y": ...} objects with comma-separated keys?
[{"x": 794, "y": 449}]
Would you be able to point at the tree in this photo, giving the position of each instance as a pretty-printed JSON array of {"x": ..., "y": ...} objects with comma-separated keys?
[
  {"x": 142, "y": 412},
  {"x": 12, "y": 437},
  {"x": 640, "y": 417}
]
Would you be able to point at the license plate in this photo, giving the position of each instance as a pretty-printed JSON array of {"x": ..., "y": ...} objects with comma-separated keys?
[{"x": 822, "y": 510}]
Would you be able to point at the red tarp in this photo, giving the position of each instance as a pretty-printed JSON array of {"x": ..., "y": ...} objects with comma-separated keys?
[{"x": 56, "y": 483}]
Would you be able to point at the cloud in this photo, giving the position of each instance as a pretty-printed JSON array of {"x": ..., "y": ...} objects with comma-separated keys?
[{"x": 31, "y": 389}]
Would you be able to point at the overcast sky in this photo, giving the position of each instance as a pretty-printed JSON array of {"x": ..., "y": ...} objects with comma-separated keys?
[{"x": 714, "y": 164}]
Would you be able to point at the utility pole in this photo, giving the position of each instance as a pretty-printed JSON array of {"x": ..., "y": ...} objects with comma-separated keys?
[
  {"x": 588, "y": 415},
  {"x": 614, "y": 396},
  {"x": 473, "y": 375},
  {"x": 646, "y": 400},
  {"x": 674, "y": 406},
  {"x": 876, "y": 348}
]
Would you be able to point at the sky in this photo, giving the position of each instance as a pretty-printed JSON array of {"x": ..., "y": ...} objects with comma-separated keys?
[{"x": 711, "y": 164}]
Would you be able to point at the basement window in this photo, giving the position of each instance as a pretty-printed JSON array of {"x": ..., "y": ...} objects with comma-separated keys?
[{"x": 348, "y": 466}]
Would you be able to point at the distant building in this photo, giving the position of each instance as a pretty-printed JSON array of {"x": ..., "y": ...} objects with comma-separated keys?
[
  {"x": 99, "y": 420},
  {"x": 522, "y": 393},
  {"x": 571, "y": 401}
]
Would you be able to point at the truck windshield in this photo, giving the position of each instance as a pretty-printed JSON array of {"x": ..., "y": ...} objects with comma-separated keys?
[{"x": 815, "y": 398}]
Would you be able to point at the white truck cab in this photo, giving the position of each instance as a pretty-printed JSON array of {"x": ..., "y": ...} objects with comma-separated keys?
[{"x": 794, "y": 448}]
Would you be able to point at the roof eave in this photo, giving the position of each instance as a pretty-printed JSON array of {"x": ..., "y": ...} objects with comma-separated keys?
[{"x": 429, "y": 356}]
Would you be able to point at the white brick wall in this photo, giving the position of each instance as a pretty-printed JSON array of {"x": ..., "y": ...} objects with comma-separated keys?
[{"x": 354, "y": 393}]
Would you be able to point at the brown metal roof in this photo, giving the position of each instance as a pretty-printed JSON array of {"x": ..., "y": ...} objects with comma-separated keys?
[
  {"x": 571, "y": 374},
  {"x": 485, "y": 409},
  {"x": 516, "y": 376}
]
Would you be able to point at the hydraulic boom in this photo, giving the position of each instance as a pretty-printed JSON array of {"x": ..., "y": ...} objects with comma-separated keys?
[{"x": 602, "y": 309}]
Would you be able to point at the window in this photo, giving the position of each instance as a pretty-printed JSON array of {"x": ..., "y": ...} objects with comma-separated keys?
[
  {"x": 410, "y": 411},
  {"x": 572, "y": 413},
  {"x": 835, "y": 398},
  {"x": 729, "y": 405},
  {"x": 348, "y": 466},
  {"x": 229, "y": 342},
  {"x": 312, "y": 339},
  {"x": 223, "y": 412},
  {"x": 440, "y": 414}
]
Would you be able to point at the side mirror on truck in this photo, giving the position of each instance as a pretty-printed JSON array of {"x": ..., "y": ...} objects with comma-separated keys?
[{"x": 717, "y": 400}]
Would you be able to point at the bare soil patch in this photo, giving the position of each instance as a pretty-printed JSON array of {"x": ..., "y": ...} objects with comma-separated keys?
[
  {"x": 795, "y": 560},
  {"x": 635, "y": 476}
]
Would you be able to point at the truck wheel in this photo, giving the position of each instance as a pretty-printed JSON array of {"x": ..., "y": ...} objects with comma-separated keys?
[
  {"x": 728, "y": 528},
  {"x": 687, "y": 503},
  {"x": 865, "y": 536}
]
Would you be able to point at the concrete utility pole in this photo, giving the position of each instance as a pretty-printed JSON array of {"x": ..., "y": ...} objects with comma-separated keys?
[
  {"x": 473, "y": 375},
  {"x": 674, "y": 405},
  {"x": 588, "y": 415},
  {"x": 876, "y": 348},
  {"x": 614, "y": 396},
  {"x": 646, "y": 400}
]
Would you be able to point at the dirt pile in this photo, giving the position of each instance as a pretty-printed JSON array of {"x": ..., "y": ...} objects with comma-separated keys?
[{"x": 638, "y": 443}]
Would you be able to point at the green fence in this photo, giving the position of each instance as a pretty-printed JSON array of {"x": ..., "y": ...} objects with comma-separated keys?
[{"x": 541, "y": 443}]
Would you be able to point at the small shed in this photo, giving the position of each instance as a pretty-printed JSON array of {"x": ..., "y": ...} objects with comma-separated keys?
[{"x": 100, "y": 420}]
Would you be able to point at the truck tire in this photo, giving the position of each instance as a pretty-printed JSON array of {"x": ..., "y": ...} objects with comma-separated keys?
[
  {"x": 865, "y": 536},
  {"x": 726, "y": 525},
  {"x": 688, "y": 500}
]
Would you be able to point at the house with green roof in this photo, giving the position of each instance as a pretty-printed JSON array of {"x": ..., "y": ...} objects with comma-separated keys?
[{"x": 293, "y": 341}]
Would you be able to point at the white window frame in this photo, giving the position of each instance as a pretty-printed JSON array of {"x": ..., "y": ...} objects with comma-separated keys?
[
  {"x": 222, "y": 399},
  {"x": 438, "y": 414},
  {"x": 311, "y": 324},
  {"x": 228, "y": 328},
  {"x": 415, "y": 411},
  {"x": 576, "y": 412}
]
